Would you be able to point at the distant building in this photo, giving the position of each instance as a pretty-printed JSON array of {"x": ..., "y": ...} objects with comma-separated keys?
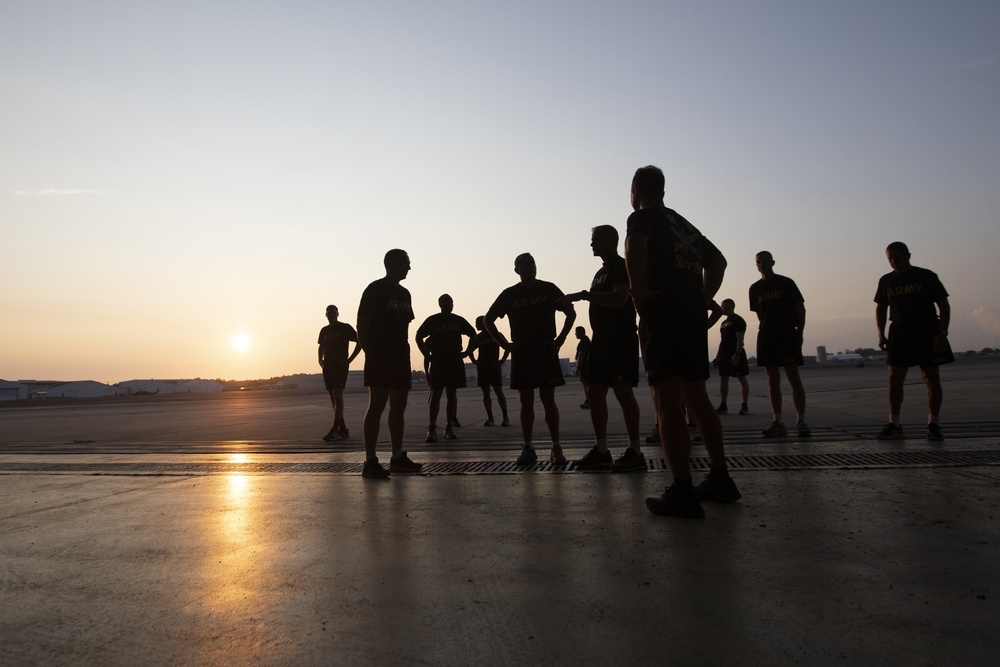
[
  {"x": 81, "y": 389},
  {"x": 12, "y": 391}
]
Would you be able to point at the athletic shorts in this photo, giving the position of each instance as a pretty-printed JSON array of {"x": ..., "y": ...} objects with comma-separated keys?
[
  {"x": 914, "y": 346},
  {"x": 779, "y": 348},
  {"x": 728, "y": 369},
  {"x": 335, "y": 377},
  {"x": 388, "y": 368},
  {"x": 447, "y": 373},
  {"x": 532, "y": 367},
  {"x": 613, "y": 359},
  {"x": 674, "y": 340},
  {"x": 489, "y": 376}
]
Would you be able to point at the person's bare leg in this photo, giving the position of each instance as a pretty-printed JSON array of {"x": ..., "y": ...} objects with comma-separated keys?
[
  {"x": 672, "y": 425},
  {"x": 798, "y": 390},
  {"x": 550, "y": 411},
  {"x": 527, "y": 397},
  {"x": 709, "y": 426},
  {"x": 774, "y": 388},
  {"x": 435, "y": 404},
  {"x": 744, "y": 389},
  {"x": 397, "y": 410},
  {"x": 935, "y": 394},
  {"x": 487, "y": 402},
  {"x": 501, "y": 399},
  {"x": 599, "y": 414},
  {"x": 630, "y": 410},
  {"x": 897, "y": 376},
  {"x": 377, "y": 398},
  {"x": 723, "y": 389},
  {"x": 451, "y": 407}
]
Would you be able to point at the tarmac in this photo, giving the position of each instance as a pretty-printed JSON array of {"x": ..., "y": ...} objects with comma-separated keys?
[{"x": 220, "y": 529}]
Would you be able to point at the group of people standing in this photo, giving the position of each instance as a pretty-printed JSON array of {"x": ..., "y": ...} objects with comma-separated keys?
[{"x": 668, "y": 277}]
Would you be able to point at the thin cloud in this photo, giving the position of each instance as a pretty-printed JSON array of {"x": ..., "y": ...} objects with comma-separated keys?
[
  {"x": 974, "y": 65},
  {"x": 49, "y": 192},
  {"x": 987, "y": 320}
]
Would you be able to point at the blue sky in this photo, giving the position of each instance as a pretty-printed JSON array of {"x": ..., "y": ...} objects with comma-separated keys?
[{"x": 173, "y": 174}]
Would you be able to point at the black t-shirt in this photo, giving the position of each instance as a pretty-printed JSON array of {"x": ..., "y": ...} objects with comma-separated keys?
[
  {"x": 387, "y": 304},
  {"x": 728, "y": 331},
  {"x": 334, "y": 339},
  {"x": 445, "y": 331},
  {"x": 487, "y": 350},
  {"x": 911, "y": 295},
  {"x": 531, "y": 307},
  {"x": 582, "y": 349},
  {"x": 610, "y": 319},
  {"x": 677, "y": 254},
  {"x": 774, "y": 300}
]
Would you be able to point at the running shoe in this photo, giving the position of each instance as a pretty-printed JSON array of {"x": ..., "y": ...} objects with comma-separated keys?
[
  {"x": 373, "y": 469},
  {"x": 489, "y": 422},
  {"x": 804, "y": 431},
  {"x": 585, "y": 405},
  {"x": 595, "y": 459},
  {"x": 344, "y": 433},
  {"x": 654, "y": 436},
  {"x": 744, "y": 410},
  {"x": 775, "y": 430},
  {"x": 630, "y": 460},
  {"x": 695, "y": 436},
  {"x": 718, "y": 490},
  {"x": 556, "y": 456},
  {"x": 675, "y": 503},
  {"x": 402, "y": 463},
  {"x": 527, "y": 457},
  {"x": 432, "y": 435},
  {"x": 891, "y": 432},
  {"x": 723, "y": 409},
  {"x": 456, "y": 424},
  {"x": 934, "y": 432},
  {"x": 449, "y": 433},
  {"x": 332, "y": 435},
  {"x": 505, "y": 422}
]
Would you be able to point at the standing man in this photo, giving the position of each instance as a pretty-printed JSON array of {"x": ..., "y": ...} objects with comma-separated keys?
[
  {"x": 613, "y": 362},
  {"x": 531, "y": 306},
  {"x": 334, "y": 339},
  {"x": 782, "y": 313},
  {"x": 918, "y": 334},
  {"x": 489, "y": 372},
  {"x": 582, "y": 355},
  {"x": 674, "y": 272},
  {"x": 384, "y": 316},
  {"x": 444, "y": 356},
  {"x": 731, "y": 359}
]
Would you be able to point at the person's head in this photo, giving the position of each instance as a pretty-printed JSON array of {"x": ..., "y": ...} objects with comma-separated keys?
[
  {"x": 648, "y": 187},
  {"x": 604, "y": 241},
  {"x": 332, "y": 313},
  {"x": 765, "y": 263},
  {"x": 446, "y": 303},
  {"x": 728, "y": 307},
  {"x": 898, "y": 255},
  {"x": 580, "y": 332},
  {"x": 397, "y": 264},
  {"x": 480, "y": 323},
  {"x": 524, "y": 266}
]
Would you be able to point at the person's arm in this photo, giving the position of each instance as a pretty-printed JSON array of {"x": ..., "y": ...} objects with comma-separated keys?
[
  {"x": 355, "y": 353},
  {"x": 716, "y": 313},
  {"x": 739, "y": 347},
  {"x": 944, "y": 319},
  {"x": 471, "y": 333},
  {"x": 489, "y": 323},
  {"x": 715, "y": 271},
  {"x": 880, "y": 318},
  {"x": 800, "y": 315},
  {"x": 364, "y": 328},
  {"x": 570, "y": 313},
  {"x": 636, "y": 258}
]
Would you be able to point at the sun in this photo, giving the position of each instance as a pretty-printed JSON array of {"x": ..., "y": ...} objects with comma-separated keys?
[{"x": 241, "y": 342}]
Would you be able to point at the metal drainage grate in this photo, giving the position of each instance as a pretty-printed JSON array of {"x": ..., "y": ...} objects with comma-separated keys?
[{"x": 838, "y": 461}]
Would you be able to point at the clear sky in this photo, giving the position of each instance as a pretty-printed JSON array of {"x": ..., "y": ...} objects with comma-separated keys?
[{"x": 173, "y": 174}]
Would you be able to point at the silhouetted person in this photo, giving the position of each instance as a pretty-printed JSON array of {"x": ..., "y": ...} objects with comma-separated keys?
[
  {"x": 917, "y": 307},
  {"x": 531, "y": 307},
  {"x": 582, "y": 352},
  {"x": 439, "y": 339},
  {"x": 782, "y": 313},
  {"x": 731, "y": 359},
  {"x": 489, "y": 372},
  {"x": 334, "y": 339},
  {"x": 384, "y": 317},
  {"x": 613, "y": 359},
  {"x": 674, "y": 272}
]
